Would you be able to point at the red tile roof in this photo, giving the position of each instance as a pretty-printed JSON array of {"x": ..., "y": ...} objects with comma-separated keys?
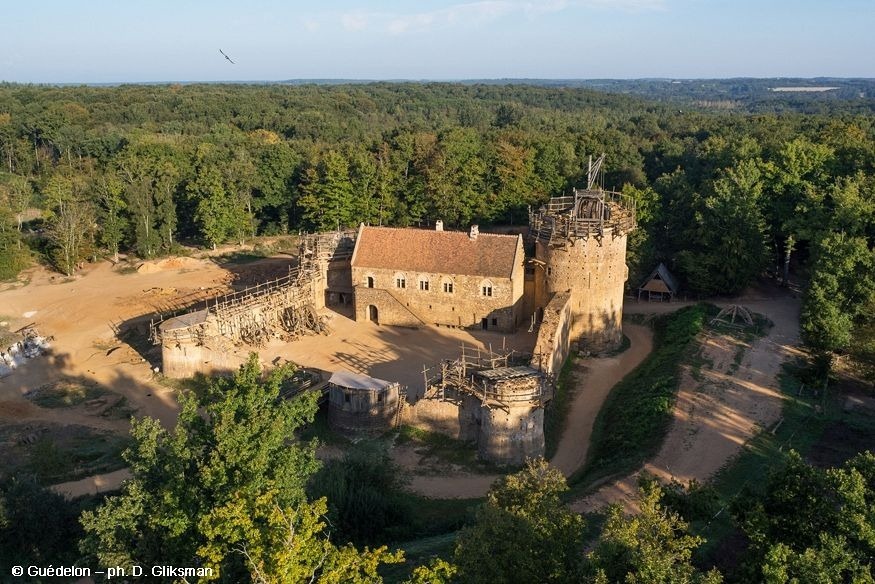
[{"x": 430, "y": 251}]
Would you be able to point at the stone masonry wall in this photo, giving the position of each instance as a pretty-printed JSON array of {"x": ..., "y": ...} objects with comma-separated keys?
[
  {"x": 595, "y": 272},
  {"x": 414, "y": 305},
  {"x": 554, "y": 336},
  {"x": 512, "y": 435}
]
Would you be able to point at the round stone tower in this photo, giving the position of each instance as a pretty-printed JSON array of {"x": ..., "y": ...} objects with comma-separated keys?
[{"x": 580, "y": 247}]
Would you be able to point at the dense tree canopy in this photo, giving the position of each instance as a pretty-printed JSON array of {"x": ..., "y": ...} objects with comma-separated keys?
[
  {"x": 723, "y": 194},
  {"x": 523, "y": 533},
  {"x": 813, "y": 525},
  {"x": 225, "y": 490}
]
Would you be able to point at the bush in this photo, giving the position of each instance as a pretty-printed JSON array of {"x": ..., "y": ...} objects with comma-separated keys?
[{"x": 365, "y": 495}]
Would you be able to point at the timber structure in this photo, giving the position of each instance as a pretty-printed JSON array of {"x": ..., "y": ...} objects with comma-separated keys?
[
  {"x": 287, "y": 307},
  {"x": 503, "y": 400}
]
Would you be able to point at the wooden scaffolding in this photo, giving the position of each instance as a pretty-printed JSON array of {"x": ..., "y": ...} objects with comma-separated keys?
[
  {"x": 589, "y": 212},
  {"x": 491, "y": 377}
]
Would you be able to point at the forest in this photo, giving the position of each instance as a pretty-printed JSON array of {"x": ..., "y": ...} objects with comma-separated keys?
[
  {"x": 723, "y": 197},
  {"x": 776, "y": 187}
]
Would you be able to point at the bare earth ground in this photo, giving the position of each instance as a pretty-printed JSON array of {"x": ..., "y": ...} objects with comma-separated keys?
[
  {"x": 715, "y": 416},
  {"x": 593, "y": 380},
  {"x": 80, "y": 313}
]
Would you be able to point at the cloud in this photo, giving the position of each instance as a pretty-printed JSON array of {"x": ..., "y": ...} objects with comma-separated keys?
[
  {"x": 354, "y": 21},
  {"x": 489, "y": 10},
  {"x": 473, "y": 12}
]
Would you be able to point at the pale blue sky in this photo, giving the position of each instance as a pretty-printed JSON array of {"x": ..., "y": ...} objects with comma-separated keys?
[{"x": 58, "y": 41}]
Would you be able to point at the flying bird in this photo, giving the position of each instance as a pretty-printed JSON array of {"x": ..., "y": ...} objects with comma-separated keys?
[{"x": 227, "y": 57}]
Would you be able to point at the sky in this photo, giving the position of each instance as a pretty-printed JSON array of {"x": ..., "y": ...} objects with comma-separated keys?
[{"x": 112, "y": 41}]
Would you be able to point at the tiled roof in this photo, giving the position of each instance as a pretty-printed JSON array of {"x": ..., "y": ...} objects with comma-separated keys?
[{"x": 430, "y": 251}]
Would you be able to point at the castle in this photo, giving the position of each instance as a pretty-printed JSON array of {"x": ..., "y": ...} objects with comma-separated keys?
[{"x": 570, "y": 288}]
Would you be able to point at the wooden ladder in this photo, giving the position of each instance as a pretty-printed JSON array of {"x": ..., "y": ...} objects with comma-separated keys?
[{"x": 402, "y": 399}]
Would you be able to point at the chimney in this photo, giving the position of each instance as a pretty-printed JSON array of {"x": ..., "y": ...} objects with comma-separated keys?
[
  {"x": 475, "y": 231},
  {"x": 438, "y": 225}
]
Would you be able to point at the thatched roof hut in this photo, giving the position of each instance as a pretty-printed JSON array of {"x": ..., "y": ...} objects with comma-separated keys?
[{"x": 659, "y": 285}]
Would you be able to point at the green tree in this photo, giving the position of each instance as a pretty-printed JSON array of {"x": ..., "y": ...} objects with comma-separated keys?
[
  {"x": 811, "y": 524},
  {"x": 111, "y": 212},
  {"x": 225, "y": 489},
  {"x": 13, "y": 258},
  {"x": 70, "y": 222},
  {"x": 651, "y": 547},
  {"x": 726, "y": 245},
  {"x": 365, "y": 494},
  {"x": 37, "y": 526},
  {"x": 796, "y": 192},
  {"x": 214, "y": 211},
  {"x": 524, "y": 532},
  {"x": 842, "y": 286},
  {"x": 18, "y": 195},
  {"x": 326, "y": 197}
]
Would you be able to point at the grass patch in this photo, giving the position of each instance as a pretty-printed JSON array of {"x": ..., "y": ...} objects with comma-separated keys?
[
  {"x": 417, "y": 553},
  {"x": 65, "y": 394},
  {"x": 431, "y": 517},
  {"x": 437, "y": 522},
  {"x": 55, "y": 454},
  {"x": 632, "y": 423},
  {"x": 239, "y": 258},
  {"x": 120, "y": 410},
  {"x": 742, "y": 331},
  {"x": 443, "y": 447},
  {"x": 556, "y": 412},
  {"x": 7, "y": 337}
]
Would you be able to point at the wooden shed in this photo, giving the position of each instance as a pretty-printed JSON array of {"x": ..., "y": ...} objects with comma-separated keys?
[
  {"x": 659, "y": 285},
  {"x": 359, "y": 402}
]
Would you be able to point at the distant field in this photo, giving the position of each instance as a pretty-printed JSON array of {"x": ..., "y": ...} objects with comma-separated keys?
[{"x": 803, "y": 89}]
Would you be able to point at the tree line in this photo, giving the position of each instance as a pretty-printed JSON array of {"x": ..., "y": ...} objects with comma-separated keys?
[{"x": 722, "y": 196}]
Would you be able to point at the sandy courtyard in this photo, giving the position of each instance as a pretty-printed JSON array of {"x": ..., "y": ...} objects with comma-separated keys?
[{"x": 82, "y": 313}]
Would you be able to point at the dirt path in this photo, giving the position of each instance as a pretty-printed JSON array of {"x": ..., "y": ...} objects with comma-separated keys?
[
  {"x": 93, "y": 485},
  {"x": 594, "y": 379},
  {"x": 719, "y": 409}
]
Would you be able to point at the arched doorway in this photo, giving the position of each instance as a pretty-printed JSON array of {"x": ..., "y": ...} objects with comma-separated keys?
[{"x": 373, "y": 315}]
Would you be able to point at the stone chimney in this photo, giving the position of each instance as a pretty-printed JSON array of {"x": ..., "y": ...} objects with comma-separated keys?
[
  {"x": 438, "y": 225},
  {"x": 475, "y": 231}
]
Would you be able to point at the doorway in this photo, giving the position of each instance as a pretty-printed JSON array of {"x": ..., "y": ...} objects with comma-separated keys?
[
  {"x": 484, "y": 323},
  {"x": 373, "y": 315}
]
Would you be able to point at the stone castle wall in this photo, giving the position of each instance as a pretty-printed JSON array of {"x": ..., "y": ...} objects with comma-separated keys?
[
  {"x": 595, "y": 273},
  {"x": 554, "y": 336},
  {"x": 509, "y": 436}
]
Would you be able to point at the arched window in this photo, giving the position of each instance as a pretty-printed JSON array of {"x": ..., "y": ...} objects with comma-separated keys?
[
  {"x": 447, "y": 285},
  {"x": 486, "y": 288},
  {"x": 423, "y": 283},
  {"x": 400, "y": 280}
]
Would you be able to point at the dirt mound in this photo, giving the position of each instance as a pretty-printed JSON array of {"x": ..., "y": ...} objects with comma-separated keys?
[{"x": 154, "y": 266}]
